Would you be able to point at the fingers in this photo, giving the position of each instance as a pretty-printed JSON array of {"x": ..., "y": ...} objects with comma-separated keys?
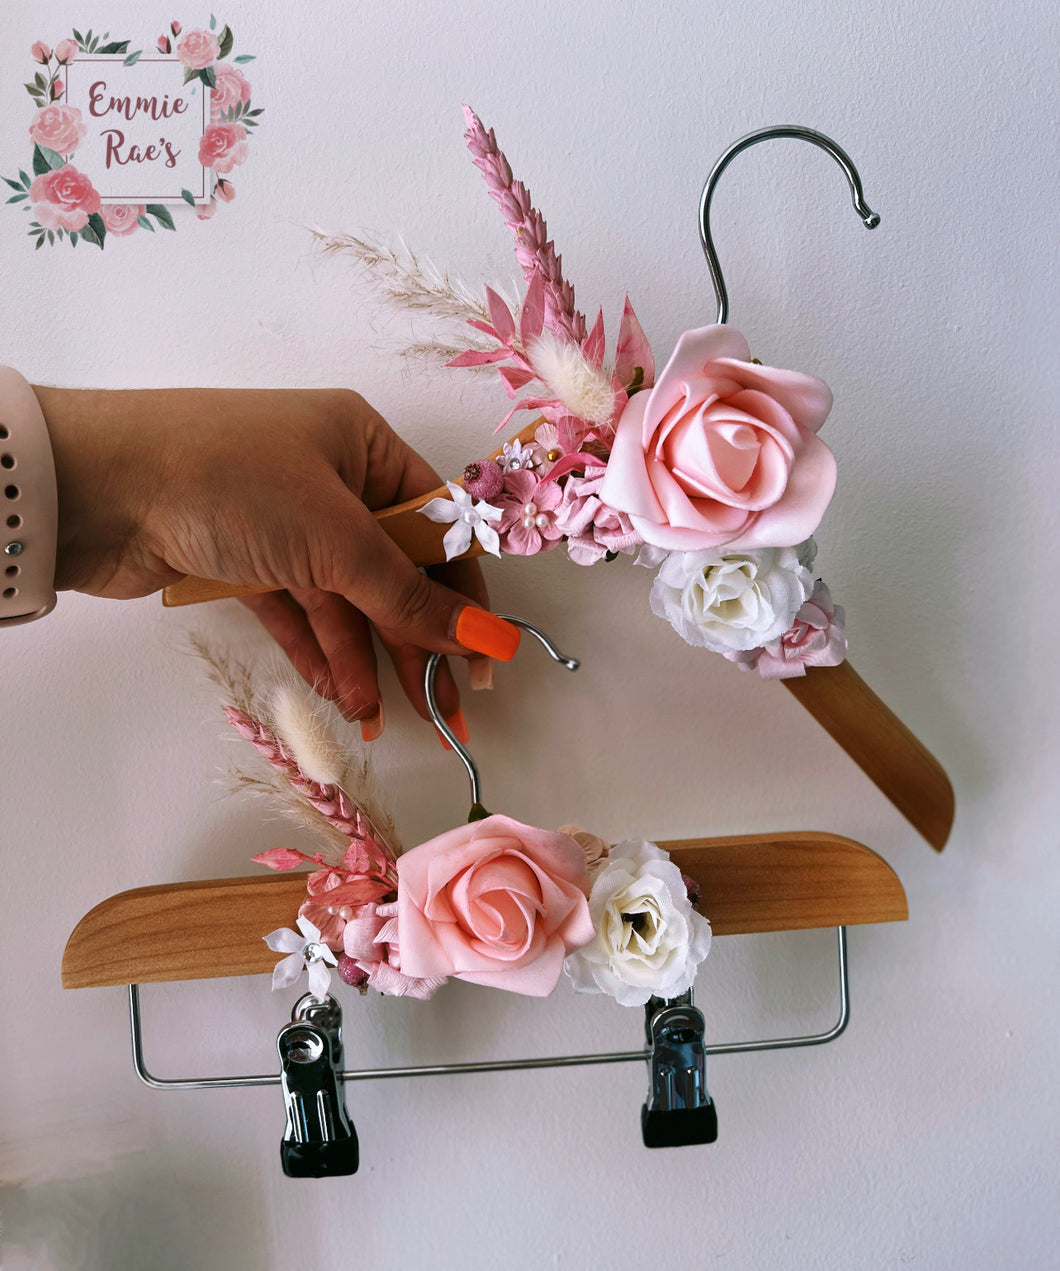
[
  {"x": 286, "y": 622},
  {"x": 345, "y": 641}
]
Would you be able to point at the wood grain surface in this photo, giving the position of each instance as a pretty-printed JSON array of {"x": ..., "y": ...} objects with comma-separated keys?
[{"x": 201, "y": 930}]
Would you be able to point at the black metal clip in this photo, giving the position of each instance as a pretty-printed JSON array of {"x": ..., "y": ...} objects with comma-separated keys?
[
  {"x": 319, "y": 1140},
  {"x": 679, "y": 1111}
]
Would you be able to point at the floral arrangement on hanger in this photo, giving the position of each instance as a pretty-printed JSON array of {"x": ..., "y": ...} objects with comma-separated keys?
[
  {"x": 494, "y": 902},
  {"x": 711, "y": 472}
]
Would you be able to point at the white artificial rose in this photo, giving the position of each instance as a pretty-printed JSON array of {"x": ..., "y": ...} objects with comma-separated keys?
[
  {"x": 731, "y": 602},
  {"x": 649, "y": 940}
]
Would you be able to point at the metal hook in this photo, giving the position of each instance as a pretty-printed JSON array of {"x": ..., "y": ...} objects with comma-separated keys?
[
  {"x": 571, "y": 664},
  {"x": 869, "y": 218}
]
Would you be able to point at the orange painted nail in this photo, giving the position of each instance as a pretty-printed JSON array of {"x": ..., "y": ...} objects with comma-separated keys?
[
  {"x": 484, "y": 632},
  {"x": 372, "y": 727}
]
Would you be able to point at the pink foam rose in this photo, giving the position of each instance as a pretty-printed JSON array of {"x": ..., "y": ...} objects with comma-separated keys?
[
  {"x": 223, "y": 147},
  {"x": 198, "y": 49},
  {"x": 58, "y": 128},
  {"x": 494, "y": 902},
  {"x": 815, "y": 638},
  {"x": 231, "y": 87},
  {"x": 63, "y": 199},
  {"x": 591, "y": 527},
  {"x": 66, "y": 51},
  {"x": 120, "y": 218},
  {"x": 41, "y": 52},
  {"x": 722, "y": 452}
]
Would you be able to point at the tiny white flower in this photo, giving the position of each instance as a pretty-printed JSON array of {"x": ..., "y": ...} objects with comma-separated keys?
[
  {"x": 517, "y": 457},
  {"x": 649, "y": 940},
  {"x": 470, "y": 520},
  {"x": 306, "y": 952},
  {"x": 734, "y": 602}
]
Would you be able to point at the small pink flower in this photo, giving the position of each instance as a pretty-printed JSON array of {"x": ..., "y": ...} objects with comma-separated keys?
[
  {"x": 225, "y": 191},
  {"x": 63, "y": 199},
  {"x": 163, "y": 44},
  {"x": 65, "y": 52},
  {"x": 174, "y": 26},
  {"x": 121, "y": 218},
  {"x": 592, "y": 529},
  {"x": 494, "y": 902},
  {"x": 223, "y": 147},
  {"x": 41, "y": 52},
  {"x": 205, "y": 210},
  {"x": 335, "y": 896},
  {"x": 370, "y": 941},
  {"x": 198, "y": 49},
  {"x": 58, "y": 128},
  {"x": 528, "y": 506},
  {"x": 231, "y": 88},
  {"x": 815, "y": 638}
]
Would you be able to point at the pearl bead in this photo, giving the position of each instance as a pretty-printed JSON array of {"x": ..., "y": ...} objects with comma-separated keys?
[
  {"x": 530, "y": 509},
  {"x": 541, "y": 521},
  {"x": 469, "y": 517},
  {"x": 345, "y": 912}
]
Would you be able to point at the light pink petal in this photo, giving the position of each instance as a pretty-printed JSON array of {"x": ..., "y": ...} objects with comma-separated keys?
[
  {"x": 805, "y": 397},
  {"x": 478, "y": 357},
  {"x": 500, "y": 316},
  {"x": 532, "y": 313},
  {"x": 593, "y": 348},
  {"x": 281, "y": 858},
  {"x": 687, "y": 362},
  {"x": 284, "y": 940},
  {"x": 287, "y": 972},
  {"x": 633, "y": 351}
]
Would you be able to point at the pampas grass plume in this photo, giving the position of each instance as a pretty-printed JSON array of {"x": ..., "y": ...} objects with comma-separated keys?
[
  {"x": 584, "y": 389},
  {"x": 303, "y": 726}
]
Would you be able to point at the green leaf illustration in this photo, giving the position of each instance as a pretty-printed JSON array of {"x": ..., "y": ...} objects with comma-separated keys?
[
  {"x": 226, "y": 40},
  {"x": 90, "y": 236},
  {"x": 52, "y": 157},
  {"x": 190, "y": 73},
  {"x": 244, "y": 58},
  {"x": 73, "y": 238},
  {"x": 145, "y": 223},
  {"x": 51, "y": 238},
  {"x": 213, "y": 23},
  {"x": 188, "y": 197},
  {"x": 116, "y": 46},
  {"x": 39, "y": 80},
  {"x": 208, "y": 76},
  {"x": 17, "y": 198},
  {"x": 133, "y": 58},
  {"x": 25, "y": 179},
  {"x": 40, "y": 164},
  {"x": 13, "y": 184},
  {"x": 161, "y": 214},
  {"x": 40, "y": 243},
  {"x": 88, "y": 39},
  {"x": 79, "y": 37},
  {"x": 260, "y": 111},
  {"x": 95, "y": 223}
]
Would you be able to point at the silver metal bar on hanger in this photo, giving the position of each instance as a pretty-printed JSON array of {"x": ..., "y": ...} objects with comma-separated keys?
[{"x": 491, "y": 1065}]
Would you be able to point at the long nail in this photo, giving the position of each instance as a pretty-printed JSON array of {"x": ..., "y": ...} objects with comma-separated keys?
[
  {"x": 480, "y": 672},
  {"x": 458, "y": 724},
  {"x": 372, "y": 726},
  {"x": 483, "y": 632}
]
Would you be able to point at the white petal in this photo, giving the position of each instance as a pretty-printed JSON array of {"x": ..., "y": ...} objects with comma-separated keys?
[
  {"x": 488, "y": 512},
  {"x": 319, "y": 979},
  {"x": 311, "y": 933},
  {"x": 287, "y": 972},
  {"x": 441, "y": 510},
  {"x": 457, "y": 540},
  {"x": 284, "y": 940},
  {"x": 488, "y": 537}
]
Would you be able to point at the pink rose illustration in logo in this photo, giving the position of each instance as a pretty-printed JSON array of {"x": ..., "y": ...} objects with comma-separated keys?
[
  {"x": 121, "y": 218},
  {"x": 58, "y": 128},
  {"x": 65, "y": 51},
  {"x": 198, "y": 49},
  {"x": 231, "y": 88},
  {"x": 223, "y": 147},
  {"x": 494, "y": 902},
  {"x": 722, "y": 452},
  {"x": 63, "y": 199},
  {"x": 41, "y": 52}
]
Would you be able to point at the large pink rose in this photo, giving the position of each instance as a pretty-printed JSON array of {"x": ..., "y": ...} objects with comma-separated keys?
[
  {"x": 231, "y": 87},
  {"x": 121, "y": 218},
  {"x": 494, "y": 902},
  {"x": 722, "y": 452},
  {"x": 60, "y": 128},
  {"x": 198, "y": 49},
  {"x": 63, "y": 199},
  {"x": 223, "y": 147}
]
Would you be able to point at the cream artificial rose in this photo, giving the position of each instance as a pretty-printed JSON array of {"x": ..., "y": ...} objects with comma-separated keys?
[
  {"x": 732, "y": 602},
  {"x": 649, "y": 940}
]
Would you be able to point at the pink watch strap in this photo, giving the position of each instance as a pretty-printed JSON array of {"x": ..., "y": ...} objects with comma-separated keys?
[{"x": 29, "y": 510}]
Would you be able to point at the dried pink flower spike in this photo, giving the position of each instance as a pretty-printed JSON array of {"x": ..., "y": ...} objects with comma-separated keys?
[{"x": 533, "y": 248}]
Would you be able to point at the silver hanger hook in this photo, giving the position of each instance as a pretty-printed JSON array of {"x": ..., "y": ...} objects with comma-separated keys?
[
  {"x": 869, "y": 218},
  {"x": 572, "y": 664}
]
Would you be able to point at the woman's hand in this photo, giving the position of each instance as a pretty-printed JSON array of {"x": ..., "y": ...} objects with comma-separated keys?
[{"x": 273, "y": 488}]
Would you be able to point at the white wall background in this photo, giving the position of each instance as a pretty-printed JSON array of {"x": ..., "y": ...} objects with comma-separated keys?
[{"x": 928, "y": 1135}]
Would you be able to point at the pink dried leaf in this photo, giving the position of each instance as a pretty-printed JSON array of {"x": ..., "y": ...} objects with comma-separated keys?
[
  {"x": 500, "y": 315},
  {"x": 634, "y": 364},
  {"x": 532, "y": 313},
  {"x": 281, "y": 858},
  {"x": 514, "y": 378},
  {"x": 475, "y": 357},
  {"x": 593, "y": 348}
]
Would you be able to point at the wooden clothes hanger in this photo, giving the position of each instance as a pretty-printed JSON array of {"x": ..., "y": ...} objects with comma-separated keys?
[{"x": 841, "y": 702}]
